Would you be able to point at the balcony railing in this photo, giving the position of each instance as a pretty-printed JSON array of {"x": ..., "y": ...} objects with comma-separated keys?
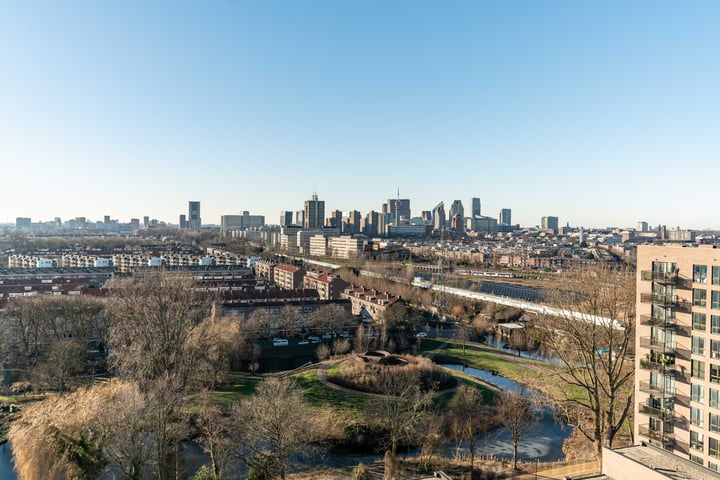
[
  {"x": 658, "y": 390},
  {"x": 662, "y": 413},
  {"x": 649, "y": 342},
  {"x": 658, "y": 365},
  {"x": 668, "y": 278},
  {"x": 664, "y": 299},
  {"x": 667, "y": 438},
  {"x": 651, "y": 321}
]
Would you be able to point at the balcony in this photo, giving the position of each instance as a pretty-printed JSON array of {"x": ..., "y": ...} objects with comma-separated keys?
[
  {"x": 662, "y": 413},
  {"x": 658, "y": 364},
  {"x": 663, "y": 299},
  {"x": 649, "y": 342},
  {"x": 657, "y": 390},
  {"x": 667, "y": 278},
  {"x": 666, "y": 438},
  {"x": 651, "y": 321}
]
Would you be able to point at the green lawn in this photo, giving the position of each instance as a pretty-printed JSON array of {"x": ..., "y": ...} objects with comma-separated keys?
[
  {"x": 320, "y": 395},
  {"x": 233, "y": 392}
]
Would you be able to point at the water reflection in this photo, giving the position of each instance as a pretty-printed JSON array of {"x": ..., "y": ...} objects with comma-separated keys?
[{"x": 7, "y": 470}]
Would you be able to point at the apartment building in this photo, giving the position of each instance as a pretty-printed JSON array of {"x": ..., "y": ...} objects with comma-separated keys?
[
  {"x": 346, "y": 247},
  {"x": 265, "y": 269},
  {"x": 289, "y": 277},
  {"x": 328, "y": 286},
  {"x": 677, "y": 381},
  {"x": 368, "y": 302}
]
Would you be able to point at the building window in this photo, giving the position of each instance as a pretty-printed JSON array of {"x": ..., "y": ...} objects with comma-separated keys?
[
  {"x": 697, "y": 440},
  {"x": 696, "y": 459},
  {"x": 715, "y": 324},
  {"x": 715, "y": 299},
  {"x": 715, "y": 373},
  {"x": 713, "y": 466},
  {"x": 700, "y": 273},
  {"x": 714, "y": 349},
  {"x": 697, "y": 369},
  {"x": 698, "y": 393},
  {"x": 697, "y": 417},
  {"x": 716, "y": 275},
  {"x": 714, "y": 398},
  {"x": 713, "y": 447},
  {"x": 698, "y": 345},
  {"x": 699, "y": 297},
  {"x": 714, "y": 423},
  {"x": 698, "y": 321}
]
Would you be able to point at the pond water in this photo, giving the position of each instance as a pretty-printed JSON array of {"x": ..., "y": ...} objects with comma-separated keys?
[
  {"x": 7, "y": 471},
  {"x": 542, "y": 442}
]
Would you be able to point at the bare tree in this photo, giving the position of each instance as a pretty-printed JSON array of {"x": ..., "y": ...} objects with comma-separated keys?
[
  {"x": 157, "y": 341},
  {"x": 514, "y": 412},
  {"x": 594, "y": 348},
  {"x": 278, "y": 423},
  {"x": 466, "y": 418},
  {"x": 402, "y": 408}
]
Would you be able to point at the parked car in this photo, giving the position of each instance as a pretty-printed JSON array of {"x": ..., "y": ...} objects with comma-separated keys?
[
  {"x": 347, "y": 335},
  {"x": 303, "y": 342},
  {"x": 280, "y": 342},
  {"x": 329, "y": 336},
  {"x": 422, "y": 335},
  {"x": 314, "y": 339}
]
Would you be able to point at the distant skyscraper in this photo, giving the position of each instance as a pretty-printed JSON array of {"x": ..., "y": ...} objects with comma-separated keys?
[
  {"x": 642, "y": 226},
  {"x": 286, "y": 218},
  {"x": 146, "y": 222},
  {"x": 439, "y": 216},
  {"x": 398, "y": 207},
  {"x": 549, "y": 223},
  {"x": 299, "y": 218},
  {"x": 372, "y": 223},
  {"x": 426, "y": 216},
  {"x": 505, "y": 217},
  {"x": 457, "y": 209},
  {"x": 194, "y": 220},
  {"x": 314, "y": 213},
  {"x": 183, "y": 222},
  {"x": 475, "y": 206}
]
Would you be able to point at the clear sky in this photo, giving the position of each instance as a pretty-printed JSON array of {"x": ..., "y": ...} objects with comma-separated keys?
[{"x": 601, "y": 113}]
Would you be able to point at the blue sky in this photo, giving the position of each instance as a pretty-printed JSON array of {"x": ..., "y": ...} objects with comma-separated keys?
[{"x": 602, "y": 113}]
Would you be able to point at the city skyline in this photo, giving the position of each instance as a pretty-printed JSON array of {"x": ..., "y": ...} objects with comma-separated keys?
[{"x": 592, "y": 112}]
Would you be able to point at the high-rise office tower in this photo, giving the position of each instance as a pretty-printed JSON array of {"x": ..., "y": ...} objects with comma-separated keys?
[
  {"x": 457, "y": 209},
  {"x": 398, "y": 208},
  {"x": 286, "y": 218},
  {"x": 194, "y": 221},
  {"x": 183, "y": 221},
  {"x": 438, "y": 215},
  {"x": 505, "y": 217},
  {"x": 475, "y": 207},
  {"x": 549, "y": 223},
  {"x": 314, "y": 213}
]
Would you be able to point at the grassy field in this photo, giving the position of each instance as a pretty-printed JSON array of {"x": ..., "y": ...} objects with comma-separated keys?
[
  {"x": 236, "y": 389},
  {"x": 320, "y": 395}
]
